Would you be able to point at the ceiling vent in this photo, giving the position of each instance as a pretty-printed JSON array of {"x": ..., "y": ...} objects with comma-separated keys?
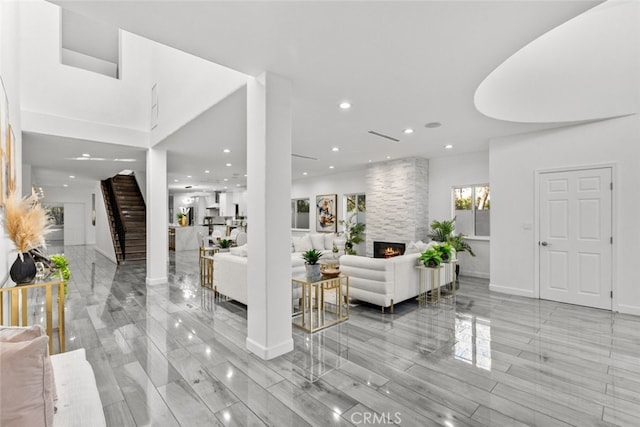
[
  {"x": 381, "y": 135},
  {"x": 300, "y": 156}
]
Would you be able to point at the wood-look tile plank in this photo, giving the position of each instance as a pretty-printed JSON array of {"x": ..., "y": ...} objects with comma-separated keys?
[
  {"x": 238, "y": 415},
  {"x": 185, "y": 404}
]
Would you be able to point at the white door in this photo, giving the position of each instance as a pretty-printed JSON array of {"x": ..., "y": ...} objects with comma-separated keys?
[
  {"x": 575, "y": 237},
  {"x": 74, "y": 224}
]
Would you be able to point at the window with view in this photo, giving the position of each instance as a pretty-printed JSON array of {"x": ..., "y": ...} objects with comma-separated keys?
[
  {"x": 356, "y": 208},
  {"x": 472, "y": 207},
  {"x": 300, "y": 213}
]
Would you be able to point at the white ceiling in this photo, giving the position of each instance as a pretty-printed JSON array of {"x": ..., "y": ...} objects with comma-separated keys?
[{"x": 401, "y": 64}]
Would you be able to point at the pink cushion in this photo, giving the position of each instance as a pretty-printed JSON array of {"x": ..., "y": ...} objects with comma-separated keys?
[{"x": 27, "y": 387}]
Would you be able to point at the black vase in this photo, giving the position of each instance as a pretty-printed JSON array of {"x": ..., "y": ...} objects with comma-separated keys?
[{"x": 23, "y": 271}]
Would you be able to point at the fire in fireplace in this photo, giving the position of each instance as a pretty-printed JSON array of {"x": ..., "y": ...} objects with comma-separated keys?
[{"x": 387, "y": 249}]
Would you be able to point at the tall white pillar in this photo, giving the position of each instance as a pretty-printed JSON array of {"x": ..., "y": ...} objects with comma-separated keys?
[
  {"x": 268, "y": 214},
  {"x": 157, "y": 217}
]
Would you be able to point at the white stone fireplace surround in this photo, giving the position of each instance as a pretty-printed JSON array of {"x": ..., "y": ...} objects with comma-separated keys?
[{"x": 397, "y": 201}]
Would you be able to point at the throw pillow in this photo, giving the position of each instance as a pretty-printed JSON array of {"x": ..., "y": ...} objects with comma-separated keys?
[
  {"x": 302, "y": 244},
  {"x": 328, "y": 241},
  {"x": 239, "y": 251},
  {"x": 23, "y": 388},
  {"x": 317, "y": 241}
]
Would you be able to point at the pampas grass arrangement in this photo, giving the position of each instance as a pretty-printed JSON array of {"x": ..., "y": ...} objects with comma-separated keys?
[{"x": 26, "y": 222}]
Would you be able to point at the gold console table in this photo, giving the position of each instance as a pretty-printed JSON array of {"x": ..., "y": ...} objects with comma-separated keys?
[
  {"x": 19, "y": 307},
  {"x": 316, "y": 311}
]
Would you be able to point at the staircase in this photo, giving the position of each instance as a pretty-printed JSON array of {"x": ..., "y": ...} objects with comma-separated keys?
[{"x": 127, "y": 215}]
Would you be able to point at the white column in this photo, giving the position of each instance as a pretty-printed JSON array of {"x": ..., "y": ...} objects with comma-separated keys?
[
  {"x": 268, "y": 214},
  {"x": 157, "y": 213}
]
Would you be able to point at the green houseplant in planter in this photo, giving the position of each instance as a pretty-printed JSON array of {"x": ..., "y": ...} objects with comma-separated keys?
[
  {"x": 60, "y": 265},
  {"x": 225, "y": 244},
  {"x": 444, "y": 249},
  {"x": 353, "y": 233},
  {"x": 311, "y": 258},
  {"x": 431, "y": 258},
  {"x": 443, "y": 231}
]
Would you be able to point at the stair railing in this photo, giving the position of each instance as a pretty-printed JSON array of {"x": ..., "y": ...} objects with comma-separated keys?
[{"x": 121, "y": 228}]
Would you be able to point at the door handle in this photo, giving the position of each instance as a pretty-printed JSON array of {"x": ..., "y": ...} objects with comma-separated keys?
[{"x": 545, "y": 244}]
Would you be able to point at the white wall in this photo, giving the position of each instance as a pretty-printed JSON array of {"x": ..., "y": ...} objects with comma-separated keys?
[
  {"x": 9, "y": 70},
  {"x": 60, "y": 196},
  {"x": 340, "y": 184},
  {"x": 514, "y": 161},
  {"x": 460, "y": 169}
]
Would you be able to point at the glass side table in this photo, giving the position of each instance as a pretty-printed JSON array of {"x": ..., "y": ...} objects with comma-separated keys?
[{"x": 324, "y": 302}]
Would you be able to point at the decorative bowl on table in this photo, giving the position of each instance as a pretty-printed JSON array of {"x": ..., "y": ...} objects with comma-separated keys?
[{"x": 330, "y": 273}]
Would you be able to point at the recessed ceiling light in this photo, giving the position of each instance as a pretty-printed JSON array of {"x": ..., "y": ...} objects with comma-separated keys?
[
  {"x": 433, "y": 125},
  {"x": 448, "y": 146},
  {"x": 188, "y": 176},
  {"x": 330, "y": 167},
  {"x": 226, "y": 179},
  {"x": 369, "y": 160},
  {"x": 304, "y": 173},
  {"x": 237, "y": 185},
  {"x": 245, "y": 175},
  {"x": 226, "y": 150},
  {"x": 335, "y": 149},
  {"x": 408, "y": 131},
  {"x": 388, "y": 157},
  {"x": 86, "y": 155},
  {"x": 345, "y": 105},
  {"x": 72, "y": 176},
  {"x": 228, "y": 164},
  {"x": 65, "y": 185},
  {"x": 207, "y": 171},
  {"x": 175, "y": 180}
]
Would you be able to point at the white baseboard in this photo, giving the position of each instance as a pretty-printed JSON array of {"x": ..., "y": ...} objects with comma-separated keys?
[
  {"x": 629, "y": 309},
  {"x": 109, "y": 256},
  {"x": 271, "y": 352},
  {"x": 156, "y": 280},
  {"x": 511, "y": 291},
  {"x": 476, "y": 274}
]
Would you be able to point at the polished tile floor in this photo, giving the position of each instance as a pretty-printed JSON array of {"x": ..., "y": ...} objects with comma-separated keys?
[{"x": 172, "y": 354}]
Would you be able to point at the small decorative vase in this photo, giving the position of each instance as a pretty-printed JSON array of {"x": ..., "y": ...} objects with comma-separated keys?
[
  {"x": 183, "y": 221},
  {"x": 23, "y": 271}
]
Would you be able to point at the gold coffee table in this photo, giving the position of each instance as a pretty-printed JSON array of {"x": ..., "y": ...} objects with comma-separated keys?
[{"x": 324, "y": 302}]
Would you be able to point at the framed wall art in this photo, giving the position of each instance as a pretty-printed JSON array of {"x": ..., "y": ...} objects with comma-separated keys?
[{"x": 326, "y": 213}]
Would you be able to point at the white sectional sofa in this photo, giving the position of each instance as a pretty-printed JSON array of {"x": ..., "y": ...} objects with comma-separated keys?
[
  {"x": 230, "y": 268},
  {"x": 386, "y": 281}
]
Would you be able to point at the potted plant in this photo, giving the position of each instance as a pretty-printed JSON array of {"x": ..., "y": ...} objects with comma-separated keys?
[
  {"x": 444, "y": 249},
  {"x": 443, "y": 231},
  {"x": 353, "y": 233},
  {"x": 431, "y": 257},
  {"x": 225, "y": 244},
  {"x": 26, "y": 224},
  {"x": 182, "y": 219},
  {"x": 60, "y": 265},
  {"x": 311, "y": 257}
]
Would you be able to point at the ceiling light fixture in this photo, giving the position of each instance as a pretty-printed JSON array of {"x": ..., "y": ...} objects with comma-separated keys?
[
  {"x": 433, "y": 125},
  {"x": 228, "y": 164},
  {"x": 175, "y": 180},
  {"x": 335, "y": 149},
  {"x": 388, "y": 157},
  {"x": 345, "y": 105},
  {"x": 226, "y": 179},
  {"x": 86, "y": 155},
  {"x": 226, "y": 150},
  {"x": 207, "y": 171},
  {"x": 408, "y": 131},
  {"x": 330, "y": 167},
  {"x": 448, "y": 146},
  {"x": 65, "y": 185},
  {"x": 304, "y": 173},
  {"x": 72, "y": 176}
]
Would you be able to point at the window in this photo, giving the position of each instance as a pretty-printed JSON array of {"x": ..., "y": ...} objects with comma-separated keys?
[
  {"x": 356, "y": 208},
  {"x": 472, "y": 205},
  {"x": 300, "y": 213}
]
